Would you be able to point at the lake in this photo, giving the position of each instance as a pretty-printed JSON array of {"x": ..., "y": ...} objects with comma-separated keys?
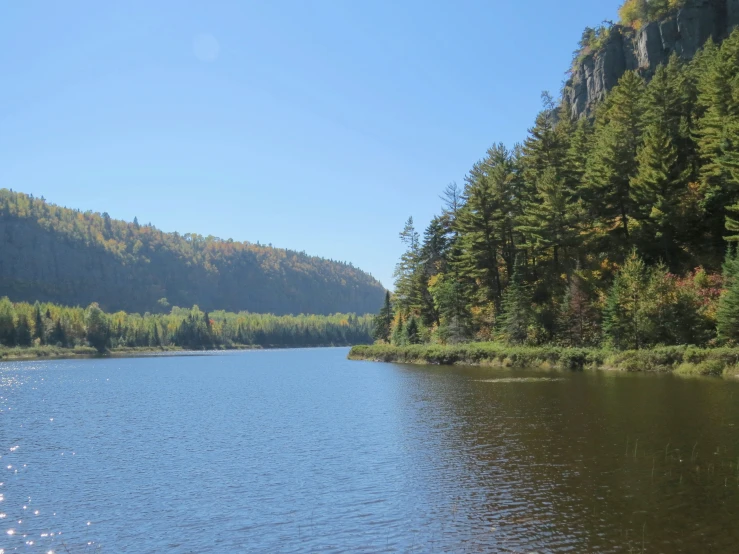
[{"x": 304, "y": 451}]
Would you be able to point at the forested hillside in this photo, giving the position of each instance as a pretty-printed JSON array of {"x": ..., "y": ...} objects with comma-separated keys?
[
  {"x": 54, "y": 254},
  {"x": 607, "y": 230}
]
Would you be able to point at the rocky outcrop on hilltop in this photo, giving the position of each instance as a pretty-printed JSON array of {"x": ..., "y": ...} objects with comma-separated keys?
[{"x": 683, "y": 32}]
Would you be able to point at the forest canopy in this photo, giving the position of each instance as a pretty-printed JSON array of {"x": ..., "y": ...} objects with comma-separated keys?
[{"x": 611, "y": 231}]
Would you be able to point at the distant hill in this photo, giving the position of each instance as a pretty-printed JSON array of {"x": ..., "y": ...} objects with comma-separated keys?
[{"x": 55, "y": 254}]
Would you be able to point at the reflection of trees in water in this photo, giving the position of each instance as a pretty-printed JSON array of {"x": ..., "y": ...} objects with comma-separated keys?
[{"x": 599, "y": 461}]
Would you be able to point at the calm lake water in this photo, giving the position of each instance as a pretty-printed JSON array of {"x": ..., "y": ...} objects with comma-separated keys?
[{"x": 304, "y": 451}]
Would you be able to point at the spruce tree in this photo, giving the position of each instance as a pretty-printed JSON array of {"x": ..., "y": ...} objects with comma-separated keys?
[
  {"x": 405, "y": 270},
  {"x": 384, "y": 320}
]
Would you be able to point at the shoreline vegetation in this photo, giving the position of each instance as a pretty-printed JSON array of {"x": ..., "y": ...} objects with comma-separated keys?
[
  {"x": 45, "y": 330},
  {"x": 608, "y": 242},
  {"x": 680, "y": 360},
  {"x": 48, "y": 352}
]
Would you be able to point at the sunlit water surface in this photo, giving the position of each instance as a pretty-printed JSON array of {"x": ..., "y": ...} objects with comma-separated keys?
[{"x": 303, "y": 451}]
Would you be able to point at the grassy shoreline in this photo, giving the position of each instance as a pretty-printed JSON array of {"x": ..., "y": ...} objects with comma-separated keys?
[
  {"x": 681, "y": 360},
  {"x": 55, "y": 352}
]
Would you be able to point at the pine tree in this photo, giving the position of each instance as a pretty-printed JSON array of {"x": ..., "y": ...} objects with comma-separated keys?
[
  {"x": 384, "y": 320},
  {"x": 545, "y": 148},
  {"x": 656, "y": 192},
  {"x": 483, "y": 225},
  {"x": 551, "y": 219},
  {"x": 612, "y": 162},
  {"x": 664, "y": 166},
  {"x": 716, "y": 124},
  {"x": 405, "y": 284},
  {"x": 576, "y": 157}
]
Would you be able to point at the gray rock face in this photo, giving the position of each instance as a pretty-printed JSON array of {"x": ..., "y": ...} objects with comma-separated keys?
[{"x": 683, "y": 33}]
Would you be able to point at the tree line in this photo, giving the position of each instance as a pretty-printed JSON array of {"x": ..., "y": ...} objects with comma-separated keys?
[
  {"x": 25, "y": 325},
  {"x": 615, "y": 230}
]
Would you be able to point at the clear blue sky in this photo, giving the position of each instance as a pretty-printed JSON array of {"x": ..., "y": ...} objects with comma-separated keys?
[{"x": 314, "y": 125}]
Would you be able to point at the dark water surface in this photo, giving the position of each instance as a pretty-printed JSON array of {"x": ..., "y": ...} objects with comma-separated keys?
[{"x": 303, "y": 451}]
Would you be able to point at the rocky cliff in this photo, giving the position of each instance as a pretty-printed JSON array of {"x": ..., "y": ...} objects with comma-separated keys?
[{"x": 683, "y": 32}]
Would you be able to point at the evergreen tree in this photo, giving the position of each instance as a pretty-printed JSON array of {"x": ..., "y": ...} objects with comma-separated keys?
[
  {"x": 664, "y": 166},
  {"x": 612, "y": 162},
  {"x": 449, "y": 301},
  {"x": 384, "y": 321},
  {"x": 58, "y": 335},
  {"x": 545, "y": 148},
  {"x": 656, "y": 193},
  {"x": 411, "y": 332},
  {"x": 551, "y": 220},
  {"x": 23, "y": 331},
  {"x": 405, "y": 270},
  {"x": 625, "y": 319},
  {"x": 716, "y": 121},
  {"x": 483, "y": 225},
  {"x": 517, "y": 314}
]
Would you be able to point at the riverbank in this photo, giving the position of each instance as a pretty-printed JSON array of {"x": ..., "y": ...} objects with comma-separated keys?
[
  {"x": 55, "y": 352},
  {"x": 683, "y": 360}
]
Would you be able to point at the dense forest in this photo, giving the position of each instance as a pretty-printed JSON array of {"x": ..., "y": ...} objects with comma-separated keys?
[
  {"x": 54, "y": 254},
  {"x": 26, "y": 325},
  {"x": 612, "y": 230}
]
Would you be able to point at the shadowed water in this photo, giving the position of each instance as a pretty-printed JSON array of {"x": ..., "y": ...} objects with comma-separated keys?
[{"x": 303, "y": 451}]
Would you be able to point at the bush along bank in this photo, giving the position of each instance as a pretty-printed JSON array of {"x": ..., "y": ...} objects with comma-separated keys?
[{"x": 681, "y": 360}]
